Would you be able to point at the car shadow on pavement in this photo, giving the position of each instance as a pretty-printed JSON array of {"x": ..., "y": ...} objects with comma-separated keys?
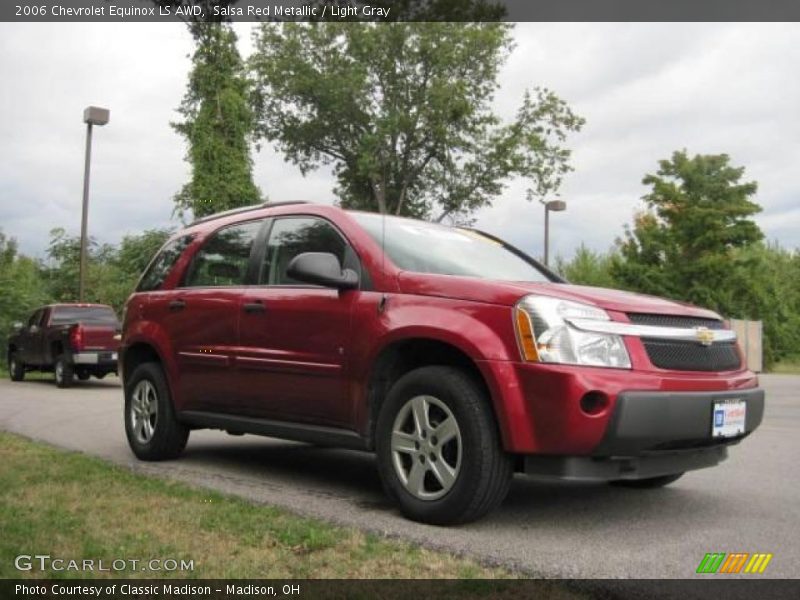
[
  {"x": 531, "y": 503},
  {"x": 346, "y": 473},
  {"x": 90, "y": 384}
]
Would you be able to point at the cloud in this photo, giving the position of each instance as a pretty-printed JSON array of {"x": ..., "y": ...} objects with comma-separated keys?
[{"x": 645, "y": 90}]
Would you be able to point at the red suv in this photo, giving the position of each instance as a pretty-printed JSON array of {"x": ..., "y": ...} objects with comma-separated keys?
[{"x": 454, "y": 356}]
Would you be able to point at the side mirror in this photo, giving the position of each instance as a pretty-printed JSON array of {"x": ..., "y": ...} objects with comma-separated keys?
[
  {"x": 322, "y": 268},
  {"x": 34, "y": 329}
]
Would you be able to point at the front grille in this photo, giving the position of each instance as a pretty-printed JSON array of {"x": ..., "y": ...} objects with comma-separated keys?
[
  {"x": 692, "y": 356},
  {"x": 687, "y": 356},
  {"x": 674, "y": 321}
]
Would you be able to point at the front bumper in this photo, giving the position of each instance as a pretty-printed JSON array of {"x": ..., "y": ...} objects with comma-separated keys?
[
  {"x": 658, "y": 421},
  {"x": 652, "y": 434},
  {"x": 539, "y": 410}
]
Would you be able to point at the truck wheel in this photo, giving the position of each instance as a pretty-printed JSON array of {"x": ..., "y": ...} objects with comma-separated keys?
[
  {"x": 16, "y": 368},
  {"x": 649, "y": 483},
  {"x": 150, "y": 424},
  {"x": 439, "y": 452},
  {"x": 64, "y": 374}
]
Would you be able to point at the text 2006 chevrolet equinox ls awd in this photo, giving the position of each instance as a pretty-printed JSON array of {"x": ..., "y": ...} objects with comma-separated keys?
[{"x": 455, "y": 357}]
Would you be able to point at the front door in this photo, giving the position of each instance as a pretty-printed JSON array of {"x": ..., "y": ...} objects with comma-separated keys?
[
  {"x": 294, "y": 337},
  {"x": 31, "y": 339}
]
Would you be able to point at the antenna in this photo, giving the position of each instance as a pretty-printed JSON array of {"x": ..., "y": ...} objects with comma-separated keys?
[{"x": 382, "y": 303}]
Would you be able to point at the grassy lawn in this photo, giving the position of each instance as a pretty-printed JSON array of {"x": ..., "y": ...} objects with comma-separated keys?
[{"x": 72, "y": 506}]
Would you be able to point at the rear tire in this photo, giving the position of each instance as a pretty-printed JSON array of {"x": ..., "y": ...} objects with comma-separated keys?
[
  {"x": 649, "y": 483},
  {"x": 151, "y": 427},
  {"x": 64, "y": 375},
  {"x": 438, "y": 447},
  {"x": 16, "y": 368}
]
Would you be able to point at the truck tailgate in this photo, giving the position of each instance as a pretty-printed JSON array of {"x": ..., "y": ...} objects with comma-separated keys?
[{"x": 99, "y": 337}]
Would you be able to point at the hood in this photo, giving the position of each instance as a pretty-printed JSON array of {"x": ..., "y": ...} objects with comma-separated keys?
[{"x": 509, "y": 292}]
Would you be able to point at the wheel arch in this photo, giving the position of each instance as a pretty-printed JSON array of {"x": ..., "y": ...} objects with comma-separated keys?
[{"x": 401, "y": 356}]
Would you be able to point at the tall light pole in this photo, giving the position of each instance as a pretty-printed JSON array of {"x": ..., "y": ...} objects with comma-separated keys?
[
  {"x": 93, "y": 115},
  {"x": 555, "y": 206}
]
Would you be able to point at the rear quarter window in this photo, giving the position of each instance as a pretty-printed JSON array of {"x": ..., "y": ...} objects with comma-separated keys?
[{"x": 157, "y": 271}]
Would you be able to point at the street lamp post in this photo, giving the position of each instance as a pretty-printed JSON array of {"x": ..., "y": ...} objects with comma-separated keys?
[
  {"x": 93, "y": 115},
  {"x": 555, "y": 206}
]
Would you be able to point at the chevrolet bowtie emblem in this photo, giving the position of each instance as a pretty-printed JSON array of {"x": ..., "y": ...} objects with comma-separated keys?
[{"x": 704, "y": 335}]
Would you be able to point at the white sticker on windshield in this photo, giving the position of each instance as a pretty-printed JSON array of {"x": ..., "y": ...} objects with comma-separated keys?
[{"x": 437, "y": 233}]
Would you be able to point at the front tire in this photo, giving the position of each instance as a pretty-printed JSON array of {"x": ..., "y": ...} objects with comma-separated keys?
[
  {"x": 64, "y": 375},
  {"x": 16, "y": 368},
  {"x": 649, "y": 483},
  {"x": 151, "y": 427},
  {"x": 438, "y": 448}
]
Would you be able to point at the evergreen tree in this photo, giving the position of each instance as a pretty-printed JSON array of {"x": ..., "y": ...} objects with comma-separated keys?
[{"x": 684, "y": 246}]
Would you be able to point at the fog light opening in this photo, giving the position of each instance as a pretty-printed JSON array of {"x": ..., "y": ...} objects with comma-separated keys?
[{"x": 594, "y": 403}]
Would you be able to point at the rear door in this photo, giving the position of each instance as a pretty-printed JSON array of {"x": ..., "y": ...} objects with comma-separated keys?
[
  {"x": 294, "y": 337},
  {"x": 201, "y": 317}
]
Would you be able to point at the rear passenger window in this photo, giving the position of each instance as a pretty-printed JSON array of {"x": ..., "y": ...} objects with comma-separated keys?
[
  {"x": 157, "y": 272},
  {"x": 295, "y": 235},
  {"x": 224, "y": 259}
]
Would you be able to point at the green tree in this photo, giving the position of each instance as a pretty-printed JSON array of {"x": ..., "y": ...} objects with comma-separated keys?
[
  {"x": 136, "y": 251},
  {"x": 217, "y": 125},
  {"x": 587, "y": 268},
  {"x": 685, "y": 244},
  {"x": 402, "y": 112},
  {"x": 21, "y": 284},
  {"x": 765, "y": 287}
]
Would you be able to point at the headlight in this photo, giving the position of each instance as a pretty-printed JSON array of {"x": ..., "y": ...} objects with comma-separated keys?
[{"x": 545, "y": 336}]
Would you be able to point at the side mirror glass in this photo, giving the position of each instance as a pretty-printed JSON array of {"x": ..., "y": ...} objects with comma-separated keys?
[{"x": 322, "y": 268}]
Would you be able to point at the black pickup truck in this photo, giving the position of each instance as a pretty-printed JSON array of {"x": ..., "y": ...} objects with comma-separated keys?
[{"x": 68, "y": 340}]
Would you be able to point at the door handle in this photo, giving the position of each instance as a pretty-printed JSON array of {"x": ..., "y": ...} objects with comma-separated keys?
[
  {"x": 177, "y": 304},
  {"x": 254, "y": 307}
]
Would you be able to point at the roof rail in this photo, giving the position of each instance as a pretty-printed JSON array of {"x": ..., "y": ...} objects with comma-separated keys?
[{"x": 244, "y": 209}]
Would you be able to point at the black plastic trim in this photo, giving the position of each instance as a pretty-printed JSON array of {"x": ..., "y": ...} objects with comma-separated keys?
[
  {"x": 587, "y": 468},
  {"x": 651, "y": 421},
  {"x": 244, "y": 209},
  {"x": 300, "y": 432}
]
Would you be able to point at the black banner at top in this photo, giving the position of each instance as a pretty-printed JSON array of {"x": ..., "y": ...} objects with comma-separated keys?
[{"x": 153, "y": 11}]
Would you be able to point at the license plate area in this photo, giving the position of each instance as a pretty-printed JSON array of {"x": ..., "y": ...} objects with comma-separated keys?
[{"x": 728, "y": 418}]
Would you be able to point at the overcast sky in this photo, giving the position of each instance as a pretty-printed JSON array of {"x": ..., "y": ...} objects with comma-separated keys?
[{"x": 644, "y": 89}]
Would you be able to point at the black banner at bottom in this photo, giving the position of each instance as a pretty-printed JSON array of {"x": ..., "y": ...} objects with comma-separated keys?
[{"x": 544, "y": 589}]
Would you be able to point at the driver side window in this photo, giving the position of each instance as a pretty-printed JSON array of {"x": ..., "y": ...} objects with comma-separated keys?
[
  {"x": 291, "y": 236},
  {"x": 36, "y": 318}
]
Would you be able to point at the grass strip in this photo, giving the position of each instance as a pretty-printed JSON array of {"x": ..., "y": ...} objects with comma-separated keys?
[{"x": 72, "y": 506}]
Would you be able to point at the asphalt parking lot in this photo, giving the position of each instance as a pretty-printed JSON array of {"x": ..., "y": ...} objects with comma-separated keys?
[{"x": 751, "y": 503}]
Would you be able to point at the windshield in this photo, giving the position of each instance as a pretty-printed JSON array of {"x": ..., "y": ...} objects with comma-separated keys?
[
  {"x": 430, "y": 248},
  {"x": 90, "y": 315}
]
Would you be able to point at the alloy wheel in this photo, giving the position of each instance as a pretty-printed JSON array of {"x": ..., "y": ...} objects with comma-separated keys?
[
  {"x": 426, "y": 447},
  {"x": 144, "y": 411}
]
